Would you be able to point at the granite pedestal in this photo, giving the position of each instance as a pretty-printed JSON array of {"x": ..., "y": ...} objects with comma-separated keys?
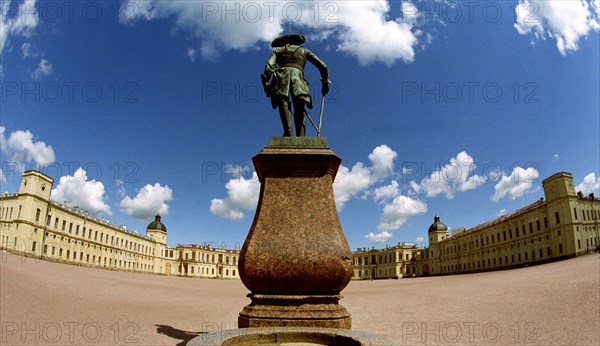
[{"x": 295, "y": 260}]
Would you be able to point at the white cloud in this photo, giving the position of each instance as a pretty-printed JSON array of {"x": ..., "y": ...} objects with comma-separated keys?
[
  {"x": 1, "y": 71},
  {"x": 589, "y": 184},
  {"x": 502, "y": 212},
  {"x": 191, "y": 54},
  {"x": 565, "y": 21},
  {"x": 456, "y": 176},
  {"x": 420, "y": 239},
  {"x": 555, "y": 158},
  {"x": 150, "y": 199},
  {"x": 44, "y": 69},
  {"x": 351, "y": 182},
  {"x": 21, "y": 146},
  {"x": 2, "y": 177},
  {"x": 363, "y": 29},
  {"x": 348, "y": 183},
  {"x": 242, "y": 194},
  {"x": 396, "y": 213},
  {"x": 517, "y": 184},
  {"x": 380, "y": 237},
  {"x": 22, "y": 23},
  {"x": 26, "y": 50},
  {"x": 81, "y": 192},
  {"x": 386, "y": 192}
]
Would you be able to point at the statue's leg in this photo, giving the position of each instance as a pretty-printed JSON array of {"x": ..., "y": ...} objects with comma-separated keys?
[
  {"x": 299, "y": 118},
  {"x": 285, "y": 114}
]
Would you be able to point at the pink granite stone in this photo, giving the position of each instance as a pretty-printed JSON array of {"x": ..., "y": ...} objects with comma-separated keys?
[{"x": 296, "y": 259}]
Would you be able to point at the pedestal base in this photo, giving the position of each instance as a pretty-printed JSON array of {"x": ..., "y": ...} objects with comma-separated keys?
[
  {"x": 295, "y": 260},
  {"x": 267, "y": 310}
]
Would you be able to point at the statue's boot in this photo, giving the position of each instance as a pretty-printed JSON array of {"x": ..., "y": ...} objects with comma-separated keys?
[{"x": 286, "y": 121}]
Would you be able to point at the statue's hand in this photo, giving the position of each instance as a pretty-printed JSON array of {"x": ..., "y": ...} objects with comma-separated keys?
[
  {"x": 324, "y": 87},
  {"x": 265, "y": 84}
]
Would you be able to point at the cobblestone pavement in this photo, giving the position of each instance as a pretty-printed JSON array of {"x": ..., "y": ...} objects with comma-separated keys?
[{"x": 50, "y": 303}]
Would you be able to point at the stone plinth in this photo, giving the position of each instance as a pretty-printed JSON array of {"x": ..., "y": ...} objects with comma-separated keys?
[
  {"x": 289, "y": 336},
  {"x": 295, "y": 260}
]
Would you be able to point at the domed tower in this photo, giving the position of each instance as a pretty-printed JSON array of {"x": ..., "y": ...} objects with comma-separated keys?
[
  {"x": 437, "y": 232},
  {"x": 157, "y": 230}
]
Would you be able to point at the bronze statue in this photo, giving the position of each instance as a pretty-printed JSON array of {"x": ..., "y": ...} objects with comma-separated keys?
[{"x": 284, "y": 78}]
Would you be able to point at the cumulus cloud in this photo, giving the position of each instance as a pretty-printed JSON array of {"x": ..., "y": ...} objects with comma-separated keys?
[
  {"x": 363, "y": 29},
  {"x": 564, "y": 21},
  {"x": 21, "y": 22},
  {"x": 44, "y": 69},
  {"x": 351, "y": 182},
  {"x": 456, "y": 176},
  {"x": 420, "y": 239},
  {"x": 20, "y": 146},
  {"x": 81, "y": 192},
  {"x": 589, "y": 184},
  {"x": 242, "y": 194},
  {"x": 379, "y": 237},
  {"x": 517, "y": 184},
  {"x": 150, "y": 199},
  {"x": 555, "y": 158},
  {"x": 386, "y": 192},
  {"x": 396, "y": 213},
  {"x": 27, "y": 50}
]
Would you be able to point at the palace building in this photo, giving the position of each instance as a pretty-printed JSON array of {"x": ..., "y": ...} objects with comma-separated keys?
[
  {"x": 33, "y": 225},
  {"x": 562, "y": 225},
  {"x": 393, "y": 262}
]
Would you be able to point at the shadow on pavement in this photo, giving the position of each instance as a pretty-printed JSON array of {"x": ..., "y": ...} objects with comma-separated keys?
[{"x": 178, "y": 334}]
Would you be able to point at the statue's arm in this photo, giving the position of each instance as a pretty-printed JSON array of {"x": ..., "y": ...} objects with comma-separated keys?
[
  {"x": 310, "y": 56},
  {"x": 271, "y": 65}
]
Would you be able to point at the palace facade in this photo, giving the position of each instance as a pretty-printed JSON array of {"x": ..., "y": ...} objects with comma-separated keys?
[
  {"x": 33, "y": 225},
  {"x": 562, "y": 225}
]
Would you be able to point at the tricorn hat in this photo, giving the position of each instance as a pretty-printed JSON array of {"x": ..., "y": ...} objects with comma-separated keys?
[{"x": 294, "y": 39}]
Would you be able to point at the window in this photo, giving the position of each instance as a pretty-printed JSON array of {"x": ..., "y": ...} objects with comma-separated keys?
[
  {"x": 77, "y": 230},
  {"x": 33, "y": 246},
  {"x": 537, "y": 223},
  {"x": 37, "y": 215},
  {"x": 530, "y": 228},
  {"x": 548, "y": 251},
  {"x": 56, "y": 223},
  {"x": 545, "y": 222},
  {"x": 48, "y": 220},
  {"x": 560, "y": 250},
  {"x": 575, "y": 213},
  {"x": 517, "y": 231},
  {"x": 504, "y": 235},
  {"x": 541, "y": 253},
  {"x": 557, "y": 217},
  {"x": 579, "y": 244}
]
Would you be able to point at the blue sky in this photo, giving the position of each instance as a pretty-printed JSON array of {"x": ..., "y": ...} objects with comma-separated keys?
[{"x": 458, "y": 109}]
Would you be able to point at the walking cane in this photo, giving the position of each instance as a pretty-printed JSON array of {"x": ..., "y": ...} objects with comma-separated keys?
[{"x": 321, "y": 115}]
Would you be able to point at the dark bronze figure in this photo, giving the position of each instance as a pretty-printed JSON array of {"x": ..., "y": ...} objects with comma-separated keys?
[{"x": 284, "y": 79}]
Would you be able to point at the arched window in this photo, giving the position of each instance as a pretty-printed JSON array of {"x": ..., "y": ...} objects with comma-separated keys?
[{"x": 37, "y": 215}]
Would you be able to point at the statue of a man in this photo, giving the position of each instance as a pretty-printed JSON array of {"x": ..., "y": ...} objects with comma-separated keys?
[{"x": 284, "y": 78}]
